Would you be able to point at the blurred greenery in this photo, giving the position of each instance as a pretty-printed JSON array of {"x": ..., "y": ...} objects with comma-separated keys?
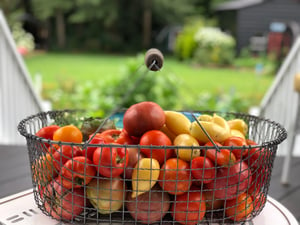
[{"x": 78, "y": 81}]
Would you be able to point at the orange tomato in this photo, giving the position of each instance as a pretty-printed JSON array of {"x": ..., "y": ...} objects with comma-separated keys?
[
  {"x": 240, "y": 208},
  {"x": 68, "y": 133}
]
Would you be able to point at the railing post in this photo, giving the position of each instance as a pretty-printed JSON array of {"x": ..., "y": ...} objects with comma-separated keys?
[{"x": 292, "y": 136}]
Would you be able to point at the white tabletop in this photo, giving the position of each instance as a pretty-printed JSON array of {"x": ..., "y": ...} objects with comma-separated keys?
[{"x": 20, "y": 209}]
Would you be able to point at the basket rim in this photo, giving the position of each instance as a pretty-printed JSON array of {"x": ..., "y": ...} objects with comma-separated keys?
[{"x": 281, "y": 130}]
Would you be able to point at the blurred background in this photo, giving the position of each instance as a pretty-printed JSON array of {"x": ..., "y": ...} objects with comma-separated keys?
[{"x": 80, "y": 52}]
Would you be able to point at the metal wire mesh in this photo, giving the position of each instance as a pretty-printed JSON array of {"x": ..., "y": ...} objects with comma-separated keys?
[{"x": 110, "y": 200}]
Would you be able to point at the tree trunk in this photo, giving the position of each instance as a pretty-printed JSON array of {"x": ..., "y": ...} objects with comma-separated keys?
[
  {"x": 60, "y": 29},
  {"x": 147, "y": 23}
]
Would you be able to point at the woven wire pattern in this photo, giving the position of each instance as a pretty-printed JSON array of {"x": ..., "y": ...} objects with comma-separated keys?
[{"x": 256, "y": 177}]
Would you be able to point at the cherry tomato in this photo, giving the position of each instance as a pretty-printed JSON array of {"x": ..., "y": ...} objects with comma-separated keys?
[
  {"x": 63, "y": 154},
  {"x": 110, "y": 162},
  {"x": 203, "y": 169},
  {"x": 240, "y": 208},
  {"x": 68, "y": 133},
  {"x": 156, "y": 138},
  {"x": 77, "y": 172},
  {"x": 237, "y": 141},
  {"x": 223, "y": 157},
  {"x": 175, "y": 176},
  {"x": 189, "y": 208},
  {"x": 47, "y": 133}
]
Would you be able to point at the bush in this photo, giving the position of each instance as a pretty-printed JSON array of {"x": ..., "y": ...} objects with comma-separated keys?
[
  {"x": 105, "y": 96},
  {"x": 185, "y": 44},
  {"x": 214, "y": 47},
  {"x": 24, "y": 40}
]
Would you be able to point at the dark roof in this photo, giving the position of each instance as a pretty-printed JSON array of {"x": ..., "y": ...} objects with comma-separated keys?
[{"x": 237, "y": 4}]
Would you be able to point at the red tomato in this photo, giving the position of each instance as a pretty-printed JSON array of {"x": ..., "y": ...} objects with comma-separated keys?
[
  {"x": 240, "y": 208},
  {"x": 256, "y": 157},
  {"x": 189, "y": 208},
  {"x": 203, "y": 169},
  {"x": 175, "y": 176},
  {"x": 142, "y": 117},
  {"x": 237, "y": 141},
  {"x": 224, "y": 157},
  {"x": 259, "y": 200},
  {"x": 110, "y": 162},
  {"x": 115, "y": 136},
  {"x": 47, "y": 133},
  {"x": 63, "y": 154},
  {"x": 156, "y": 138},
  {"x": 77, "y": 172},
  {"x": 89, "y": 151}
]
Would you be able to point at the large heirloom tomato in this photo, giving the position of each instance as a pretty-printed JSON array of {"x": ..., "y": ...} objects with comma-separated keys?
[
  {"x": 156, "y": 138},
  {"x": 142, "y": 117},
  {"x": 175, "y": 176}
]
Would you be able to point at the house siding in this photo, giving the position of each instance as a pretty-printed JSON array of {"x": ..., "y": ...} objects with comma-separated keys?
[{"x": 256, "y": 19}]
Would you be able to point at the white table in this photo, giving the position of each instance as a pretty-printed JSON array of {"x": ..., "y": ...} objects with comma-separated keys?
[{"x": 20, "y": 209}]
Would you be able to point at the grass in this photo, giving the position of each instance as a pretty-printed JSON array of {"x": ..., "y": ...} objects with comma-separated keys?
[{"x": 63, "y": 67}]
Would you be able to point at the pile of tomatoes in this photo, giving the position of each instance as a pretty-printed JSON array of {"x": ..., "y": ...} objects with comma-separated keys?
[{"x": 159, "y": 163}]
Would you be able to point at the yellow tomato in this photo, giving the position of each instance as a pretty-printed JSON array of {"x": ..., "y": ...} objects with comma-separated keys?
[{"x": 186, "y": 154}]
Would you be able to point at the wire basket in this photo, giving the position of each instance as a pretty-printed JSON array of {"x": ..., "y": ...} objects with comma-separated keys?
[{"x": 223, "y": 199}]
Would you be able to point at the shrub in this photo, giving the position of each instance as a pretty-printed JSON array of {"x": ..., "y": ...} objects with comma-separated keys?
[
  {"x": 24, "y": 40},
  {"x": 185, "y": 44},
  {"x": 214, "y": 47}
]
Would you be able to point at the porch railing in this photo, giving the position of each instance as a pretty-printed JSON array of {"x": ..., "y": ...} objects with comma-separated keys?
[
  {"x": 17, "y": 96},
  {"x": 281, "y": 104}
]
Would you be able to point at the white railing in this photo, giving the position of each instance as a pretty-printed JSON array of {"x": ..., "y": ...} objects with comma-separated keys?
[
  {"x": 281, "y": 104},
  {"x": 17, "y": 97}
]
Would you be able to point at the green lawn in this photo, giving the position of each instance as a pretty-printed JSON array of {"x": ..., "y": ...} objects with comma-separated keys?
[{"x": 60, "y": 67}]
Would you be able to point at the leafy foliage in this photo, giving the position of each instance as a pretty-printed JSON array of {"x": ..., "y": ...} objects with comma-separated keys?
[
  {"x": 135, "y": 84},
  {"x": 22, "y": 38}
]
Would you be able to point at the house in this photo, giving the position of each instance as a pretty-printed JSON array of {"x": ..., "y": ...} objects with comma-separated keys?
[{"x": 246, "y": 19}]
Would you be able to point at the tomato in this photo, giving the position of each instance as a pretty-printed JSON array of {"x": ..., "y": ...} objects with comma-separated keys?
[
  {"x": 110, "y": 162},
  {"x": 231, "y": 181},
  {"x": 77, "y": 172},
  {"x": 240, "y": 208},
  {"x": 61, "y": 203},
  {"x": 106, "y": 195},
  {"x": 203, "y": 169},
  {"x": 256, "y": 157},
  {"x": 142, "y": 117},
  {"x": 116, "y": 136},
  {"x": 187, "y": 154},
  {"x": 68, "y": 133},
  {"x": 259, "y": 200},
  {"x": 189, "y": 208},
  {"x": 89, "y": 151},
  {"x": 43, "y": 169},
  {"x": 175, "y": 176},
  {"x": 211, "y": 201},
  {"x": 63, "y": 154},
  {"x": 47, "y": 133},
  {"x": 156, "y": 138},
  {"x": 223, "y": 157},
  {"x": 237, "y": 141}
]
